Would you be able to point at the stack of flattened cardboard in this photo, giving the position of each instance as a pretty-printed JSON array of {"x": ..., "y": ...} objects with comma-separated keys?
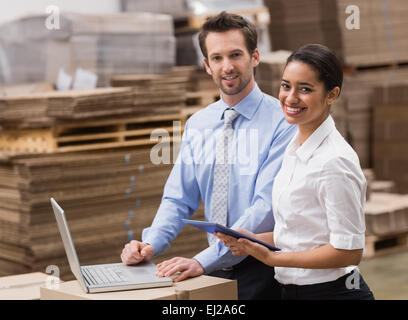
[
  {"x": 386, "y": 216},
  {"x": 25, "y": 88},
  {"x": 140, "y": 94},
  {"x": 103, "y": 44},
  {"x": 381, "y": 34},
  {"x": 358, "y": 92},
  {"x": 42, "y": 110},
  {"x": 363, "y": 33},
  {"x": 295, "y": 23},
  {"x": 339, "y": 115},
  {"x": 270, "y": 70},
  {"x": 386, "y": 213},
  {"x": 390, "y": 134},
  {"x": 187, "y": 86},
  {"x": 77, "y": 104},
  {"x": 108, "y": 197},
  {"x": 29, "y": 110},
  {"x": 164, "y": 93},
  {"x": 176, "y": 8},
  {"x": 201, "y": 81},
  {"x": 24, "y": 101}
]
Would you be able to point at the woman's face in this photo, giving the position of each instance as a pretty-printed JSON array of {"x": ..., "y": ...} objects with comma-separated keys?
[{"x": 303, "y": 96}]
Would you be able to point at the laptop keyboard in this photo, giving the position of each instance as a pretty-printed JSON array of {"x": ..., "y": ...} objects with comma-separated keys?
[{"x": 101, "y": 275}]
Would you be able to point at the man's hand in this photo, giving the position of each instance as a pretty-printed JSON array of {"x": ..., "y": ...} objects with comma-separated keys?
[
  {"x": 188, "y": 267},
  {"x": 135, "y": 252}
]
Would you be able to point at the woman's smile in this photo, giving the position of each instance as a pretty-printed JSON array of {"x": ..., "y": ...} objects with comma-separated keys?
[{"x": 292, "y": 111}]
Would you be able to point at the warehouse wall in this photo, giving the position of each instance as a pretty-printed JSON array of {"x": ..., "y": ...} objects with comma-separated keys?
[{"x": 10, "y": 10}]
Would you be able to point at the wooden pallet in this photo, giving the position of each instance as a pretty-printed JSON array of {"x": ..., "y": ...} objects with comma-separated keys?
[
  {"x": 197, "y": 100},
  {"x": 376, "y": 246},
  {"x": 257, "y": 16},
  {"x": 201, "y": 98},
  {"x": 93, "y": 135}
]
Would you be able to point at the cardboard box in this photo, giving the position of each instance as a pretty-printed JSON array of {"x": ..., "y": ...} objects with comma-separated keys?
[
  {"x": 23, "y": 286},
  {"x": 71, "y": 290},
  {"x": 199, "y": 288},
  {"x": 206, "y": 288}
]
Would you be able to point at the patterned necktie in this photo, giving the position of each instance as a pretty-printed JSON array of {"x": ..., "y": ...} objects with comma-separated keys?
[{"x": 219, "y": 200}]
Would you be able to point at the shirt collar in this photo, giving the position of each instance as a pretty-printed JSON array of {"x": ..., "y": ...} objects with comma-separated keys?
[
  {"x": 305, "y": 151},
  {"x": 248, "y": 106}
]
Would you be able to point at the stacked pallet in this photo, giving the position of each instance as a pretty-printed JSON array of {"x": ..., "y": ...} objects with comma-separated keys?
[
  {"x": 108, "y": 196},
  {"x": 75, "y": 120},
  {"x": 390, "y": 134},
  {"x": 375, "y": 34},
  {"x": 94, "y": 134},
  {"x": 103, "y": 44}
]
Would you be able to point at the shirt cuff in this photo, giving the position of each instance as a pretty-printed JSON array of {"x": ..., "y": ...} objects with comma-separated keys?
[
  {"x": 206, "y": 259},
  {"x": 347, "y": 242},
  {"x": 158, "y": 245},
  {"x": 217, "y": 257}
]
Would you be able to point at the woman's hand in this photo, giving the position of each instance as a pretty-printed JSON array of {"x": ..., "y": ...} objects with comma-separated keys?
[
  {"x": 232, "y": 243},
  {"x": 242, "y": 247}
]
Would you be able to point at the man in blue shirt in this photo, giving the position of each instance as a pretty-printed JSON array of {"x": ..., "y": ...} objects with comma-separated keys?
[{"x": 261, "y": 134}]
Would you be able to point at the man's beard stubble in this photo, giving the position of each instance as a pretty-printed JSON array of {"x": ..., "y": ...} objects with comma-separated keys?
[{"x": 242, "y": 85}]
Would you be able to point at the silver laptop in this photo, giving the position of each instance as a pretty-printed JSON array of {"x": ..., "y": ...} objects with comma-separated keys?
[{"x": 107, "y": 277}]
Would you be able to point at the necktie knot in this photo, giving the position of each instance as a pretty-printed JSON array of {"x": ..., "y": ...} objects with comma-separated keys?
[{"x": 229, "y": 116}]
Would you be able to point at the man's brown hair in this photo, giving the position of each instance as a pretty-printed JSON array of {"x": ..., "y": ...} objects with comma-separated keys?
[{"x": 225, "y": 22}]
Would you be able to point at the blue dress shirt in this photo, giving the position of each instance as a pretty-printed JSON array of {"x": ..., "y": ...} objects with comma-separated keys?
[{"x": 261, "y": 136}]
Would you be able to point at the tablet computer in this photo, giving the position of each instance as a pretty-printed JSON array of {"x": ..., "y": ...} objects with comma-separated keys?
[{"x": 212, "y": 227}]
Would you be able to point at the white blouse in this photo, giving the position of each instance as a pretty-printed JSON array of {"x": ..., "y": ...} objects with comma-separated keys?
[{"x": 318, "y": 198}]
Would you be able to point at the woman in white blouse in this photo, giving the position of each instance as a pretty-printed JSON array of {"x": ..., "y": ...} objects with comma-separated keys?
[{"x": 318, "y": 195}]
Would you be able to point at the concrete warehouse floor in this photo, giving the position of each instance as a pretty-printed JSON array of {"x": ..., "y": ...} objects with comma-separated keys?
[{"x": 387, "y": 275}]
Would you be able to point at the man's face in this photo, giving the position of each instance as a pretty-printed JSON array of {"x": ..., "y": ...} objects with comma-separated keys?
[{"x": 229, "y": 62}]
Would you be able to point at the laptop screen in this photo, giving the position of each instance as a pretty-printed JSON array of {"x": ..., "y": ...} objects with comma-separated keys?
[{"x": 67, "y": 240}]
